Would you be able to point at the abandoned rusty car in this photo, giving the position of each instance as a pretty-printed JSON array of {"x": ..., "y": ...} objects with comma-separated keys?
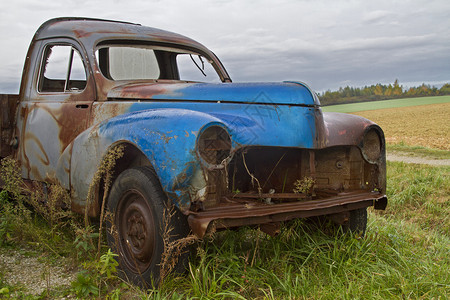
[{"x": 224, "y": 154}]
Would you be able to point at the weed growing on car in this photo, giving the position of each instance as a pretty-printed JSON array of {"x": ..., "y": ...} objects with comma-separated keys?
[
  {"x": 304, "y": 185},
  {"x": 103, "y": 177},
  {"x": 173, "y": 248}
]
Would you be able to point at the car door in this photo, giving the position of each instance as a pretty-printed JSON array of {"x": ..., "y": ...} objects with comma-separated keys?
[{"x": 55, "y": 113}]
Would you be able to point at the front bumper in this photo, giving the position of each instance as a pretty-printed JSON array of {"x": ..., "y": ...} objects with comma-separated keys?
[{"x": 237, "y": 212}]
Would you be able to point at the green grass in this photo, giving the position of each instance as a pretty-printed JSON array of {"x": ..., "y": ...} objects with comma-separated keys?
[
  {"x": 404, "y": 255},
  {"x": 420, "y": 194},
  {"x": 373, "y": 105}
]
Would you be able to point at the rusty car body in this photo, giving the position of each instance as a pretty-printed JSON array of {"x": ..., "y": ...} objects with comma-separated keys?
[{"x": 224, "y": 154}]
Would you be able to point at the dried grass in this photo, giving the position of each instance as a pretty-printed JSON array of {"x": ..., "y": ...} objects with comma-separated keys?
[
  {"x": 105, "y": 172},
  {"x": 174, "y": 248},
  {"x": 425, "y": 125}
]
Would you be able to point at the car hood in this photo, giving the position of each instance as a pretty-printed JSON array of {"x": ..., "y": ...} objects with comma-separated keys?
[{"x": 285, "y": 93}]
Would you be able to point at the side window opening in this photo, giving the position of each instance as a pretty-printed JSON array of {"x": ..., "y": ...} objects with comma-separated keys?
[
  {"x": 63, "y": 70},
  {"x": 151, "y": 62},
  {"x": 128, "y": 63}
]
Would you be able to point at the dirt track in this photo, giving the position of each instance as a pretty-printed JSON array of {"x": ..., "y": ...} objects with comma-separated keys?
[{"x": 417, "y": 159}]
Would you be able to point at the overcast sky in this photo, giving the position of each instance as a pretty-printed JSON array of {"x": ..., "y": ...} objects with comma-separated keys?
[{"x": 325, "y": 43}]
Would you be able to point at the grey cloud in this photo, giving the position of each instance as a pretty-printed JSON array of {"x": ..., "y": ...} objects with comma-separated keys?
[
  {"x": 376, "y": 16},
  {"x": 326, "y": 43}
]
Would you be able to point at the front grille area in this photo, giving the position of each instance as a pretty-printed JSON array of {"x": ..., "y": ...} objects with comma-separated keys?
[
  {"x": 256, "y": 187},
  {"x": 274, "y": 173}
]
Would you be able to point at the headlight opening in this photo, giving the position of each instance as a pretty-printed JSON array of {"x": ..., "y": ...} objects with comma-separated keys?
[
  {"x": 214, "y": 145},
  {"x": 371, "y": 146}
]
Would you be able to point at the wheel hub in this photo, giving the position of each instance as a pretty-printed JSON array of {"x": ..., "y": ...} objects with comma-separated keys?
[{"x": 136, "y": 231}]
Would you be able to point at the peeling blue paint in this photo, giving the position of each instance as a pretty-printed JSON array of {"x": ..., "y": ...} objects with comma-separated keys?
[
  {"x": 287, "y": 93},
  {"x": 166, "y": 131}
]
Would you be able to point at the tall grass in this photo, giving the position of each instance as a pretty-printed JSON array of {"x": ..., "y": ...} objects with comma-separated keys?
[
  {"x": 26, "y": 218},
  {"x": 301, "y": 263},
  {"x": 39, "y": 217},
  {"x": 404, "y": 254},
  {"x": 419, "y": 194}
]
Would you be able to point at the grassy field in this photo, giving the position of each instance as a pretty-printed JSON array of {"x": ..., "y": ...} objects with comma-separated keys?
[
  {"x": 426, "y": 124},
  {"x": 363, "y": 106},
  {"x": 405, "y": 253}
]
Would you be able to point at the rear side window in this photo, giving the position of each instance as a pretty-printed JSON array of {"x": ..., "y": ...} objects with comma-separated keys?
[{"x": 62, "y": 70}]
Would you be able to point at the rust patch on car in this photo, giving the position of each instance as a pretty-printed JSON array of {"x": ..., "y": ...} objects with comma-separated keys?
[{"x": 241, "y": 212}]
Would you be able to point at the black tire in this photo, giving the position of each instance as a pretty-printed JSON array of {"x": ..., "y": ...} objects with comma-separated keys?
[
  {"x": 137, "y": 203},
  {"x": 357, "y": 222}
]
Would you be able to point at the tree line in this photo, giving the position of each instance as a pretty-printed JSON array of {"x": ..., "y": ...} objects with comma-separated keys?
[{"x": 380, "y": 92}]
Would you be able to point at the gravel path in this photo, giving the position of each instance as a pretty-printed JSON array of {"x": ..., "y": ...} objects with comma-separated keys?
[
  {"x": 417, "y": 159},
  {"x": 33, "y": 274}
]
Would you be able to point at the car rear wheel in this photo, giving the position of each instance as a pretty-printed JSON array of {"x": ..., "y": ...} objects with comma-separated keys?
[{"x": 357, "y": 221}]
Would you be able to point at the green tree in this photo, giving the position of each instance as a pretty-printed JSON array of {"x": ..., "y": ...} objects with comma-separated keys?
[{"x": 445, "y": 89}]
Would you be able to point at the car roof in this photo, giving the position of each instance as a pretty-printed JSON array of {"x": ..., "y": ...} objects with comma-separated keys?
[{"x": 92, "y": 30}]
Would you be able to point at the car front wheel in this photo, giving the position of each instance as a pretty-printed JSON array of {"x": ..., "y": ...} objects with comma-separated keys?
[{"x": 138, "y": 206}]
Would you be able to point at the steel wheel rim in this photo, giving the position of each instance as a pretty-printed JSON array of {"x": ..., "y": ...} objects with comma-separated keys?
[{"x": 136, "y": 231}]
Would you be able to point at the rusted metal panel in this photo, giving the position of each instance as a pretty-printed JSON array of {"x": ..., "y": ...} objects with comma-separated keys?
[
  {"x": 341, "y": 129},
  {"x": 8, "y": 105},
  {"x": 167, "y": 133},
  {"x": 46, "y": 131},
  {"x": 240, "y": 213}
]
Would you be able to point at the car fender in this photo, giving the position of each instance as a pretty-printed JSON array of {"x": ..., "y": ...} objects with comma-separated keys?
[{"x": 167, "y": 137}]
